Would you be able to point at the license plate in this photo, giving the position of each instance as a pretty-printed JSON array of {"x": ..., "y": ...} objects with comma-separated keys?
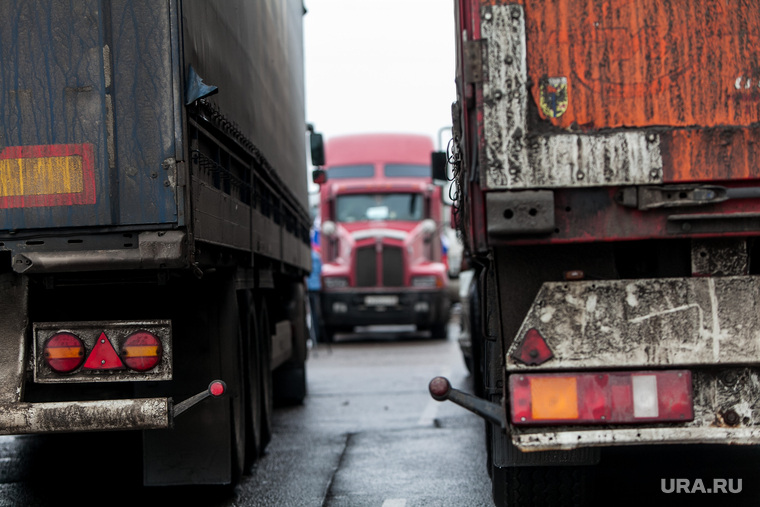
[{"x": 381, "y": 300}]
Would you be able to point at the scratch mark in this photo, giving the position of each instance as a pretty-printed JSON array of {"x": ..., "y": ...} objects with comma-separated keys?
[
  {"x": 638, "y": 320},
  {"x": 716, "y": 322}
]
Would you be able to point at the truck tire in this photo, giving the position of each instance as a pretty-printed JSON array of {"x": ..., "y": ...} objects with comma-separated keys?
[
  {"x": 440, "y": 328},
  {"x": 265, "y": 353},
  {"x": 439, "y": 331},
  {"x": 208, "y": 441},
  {"x": 233, "y": 362},
  {"x": 253, "y": 375},
  {"x": 238, "y": 420},
  {"x": 329, "y": 332},
  {"x": 289, "y": 380},
  {"x": 289, "y": 383}
]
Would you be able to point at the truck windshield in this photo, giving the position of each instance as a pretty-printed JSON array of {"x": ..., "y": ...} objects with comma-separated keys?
[
  {"x": 406, "y": 171},
  {"x": 359, "y": 207},
  {"x": 350, "y": 171}
]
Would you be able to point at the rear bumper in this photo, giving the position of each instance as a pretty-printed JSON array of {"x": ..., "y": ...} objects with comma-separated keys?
[
  {"x": 421, "y": 308},
  {"x": 706, "y": 325},
  {"x": 19, "y": 417},
  {"x": 725, "y": 401},
  {"x": 71, "y": 416}
]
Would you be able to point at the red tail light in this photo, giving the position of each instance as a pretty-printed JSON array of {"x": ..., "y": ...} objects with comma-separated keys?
[
  {"x": 601, "y": 398},
  {"x": 64, "y": 352},
  {"x": 141, "y": 351}
]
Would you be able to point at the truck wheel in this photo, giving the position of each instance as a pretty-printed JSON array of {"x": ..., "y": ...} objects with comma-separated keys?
[
  {"x": 265, "y": 354},
  {"x": 440, "y": 331},
  {"x": 289, "y": 380},
  {"x": 238, "y": 421},
  {"x": 329, "y": 332},
  {"x": 289, "y": 384},
  {"x": 233, "y": 369},
  {"x": 253, "y": 377},
  {"x": 561, "y": 486}
]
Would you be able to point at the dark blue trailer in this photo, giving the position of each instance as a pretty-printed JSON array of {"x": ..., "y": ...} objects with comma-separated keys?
[{"x": 153, "y": 224}]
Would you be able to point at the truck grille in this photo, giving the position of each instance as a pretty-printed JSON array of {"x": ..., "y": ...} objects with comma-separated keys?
[
  {"x": 393, "y": 266},
  {"x": 366, "y": 266},
  {"x": 392, "y": 262}
]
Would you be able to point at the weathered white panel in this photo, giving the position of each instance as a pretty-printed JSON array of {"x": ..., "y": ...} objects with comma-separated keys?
[
  {"x": 505, "y": 94},
  {"x": 646, "y": 323},
  {"x": 517, "y": 159},
  {"x": 577, "y": 160}
]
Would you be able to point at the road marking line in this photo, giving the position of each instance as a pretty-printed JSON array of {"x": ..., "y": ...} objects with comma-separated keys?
[{"x": 395, "y": 502}]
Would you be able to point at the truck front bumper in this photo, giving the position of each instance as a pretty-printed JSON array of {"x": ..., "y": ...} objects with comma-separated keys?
[{"x": 421, "y": 308}]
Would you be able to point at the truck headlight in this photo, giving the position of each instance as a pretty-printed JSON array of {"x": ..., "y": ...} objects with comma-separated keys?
[
  {"x": 427, "y": 281},
  {"x": 335, "y": 282}
]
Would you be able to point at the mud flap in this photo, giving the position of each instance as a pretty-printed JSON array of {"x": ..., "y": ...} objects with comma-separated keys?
[
  {"x": 14, "y": 301},
  {"x": 197, "y": 450},
  {"x": 193, "y": 452}
]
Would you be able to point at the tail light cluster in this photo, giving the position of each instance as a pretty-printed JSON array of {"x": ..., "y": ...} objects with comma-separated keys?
[
  {"x": 601, "y": 398},
  {"x": 106, "y": 350},
  {"x": 65, "y": 352}
]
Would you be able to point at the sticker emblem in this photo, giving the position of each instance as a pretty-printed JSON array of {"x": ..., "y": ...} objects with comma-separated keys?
[{"x": 553, "y": 96}]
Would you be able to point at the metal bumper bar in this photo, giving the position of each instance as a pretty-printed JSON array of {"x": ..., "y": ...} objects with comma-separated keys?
[{"x": 58, "y": 417}]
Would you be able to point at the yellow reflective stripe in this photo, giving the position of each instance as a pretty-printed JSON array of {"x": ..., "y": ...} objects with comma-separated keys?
[
  {"x": 63, "y": 352},
  {"x": 143, "y": 351},
  {"x": 41, "y": 176}
]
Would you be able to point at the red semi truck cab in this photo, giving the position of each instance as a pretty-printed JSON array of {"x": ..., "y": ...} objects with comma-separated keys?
[{"x": 381, "y": 226}]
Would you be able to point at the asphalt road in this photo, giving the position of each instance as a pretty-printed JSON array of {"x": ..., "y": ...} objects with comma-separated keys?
[{"x": 369, "y": 433}]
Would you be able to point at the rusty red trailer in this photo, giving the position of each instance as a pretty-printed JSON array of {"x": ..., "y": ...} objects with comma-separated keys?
[{"x": 606, "y": 165}]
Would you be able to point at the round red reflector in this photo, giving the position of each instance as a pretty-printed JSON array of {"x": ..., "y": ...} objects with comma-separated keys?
[
  {"x": 439, "y": 388},
  {"x": 141, "y": 351},
  {"x": 217, "y": 388},
  {"x": 64, "y": 352}
]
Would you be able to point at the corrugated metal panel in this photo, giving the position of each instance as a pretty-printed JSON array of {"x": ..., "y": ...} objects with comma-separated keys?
[
  {"x": 253, "y": 52},
  {"x": 144, "y": 105}
]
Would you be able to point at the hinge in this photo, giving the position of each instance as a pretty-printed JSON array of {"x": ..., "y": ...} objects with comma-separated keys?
[{"x": 473, "y": 64}]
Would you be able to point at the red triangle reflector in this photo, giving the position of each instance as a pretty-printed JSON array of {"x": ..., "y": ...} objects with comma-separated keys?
[
  {"x": 533, "y": 350},
  {"x": 103, "y": 356}
]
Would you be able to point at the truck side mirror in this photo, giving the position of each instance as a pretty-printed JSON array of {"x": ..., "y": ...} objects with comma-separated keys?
[
  {"x": 439, "y": 163},
  {"x": 317, "y": 149},
  {"x": 319, "y": 176}
]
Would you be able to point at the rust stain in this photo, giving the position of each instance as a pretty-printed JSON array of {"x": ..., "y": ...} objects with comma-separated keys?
[
  {"x": 502, "y": 2},
  {"x": 710, "y": 154},
  {"x": 647, "y": 62}
]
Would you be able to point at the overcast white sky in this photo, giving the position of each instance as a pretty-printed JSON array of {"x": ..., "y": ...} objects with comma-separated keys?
[{"x": 379, "y": 66}]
